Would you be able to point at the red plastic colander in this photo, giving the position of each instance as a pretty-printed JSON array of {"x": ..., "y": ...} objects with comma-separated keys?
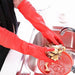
[{"x": 61, "y": 67}]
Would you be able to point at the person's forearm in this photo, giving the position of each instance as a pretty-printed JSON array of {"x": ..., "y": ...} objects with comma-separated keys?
[
  {"x": 10, "y": 40},
  {"x": 37, "y": 21},
  {"x": 32, "y": 16}
]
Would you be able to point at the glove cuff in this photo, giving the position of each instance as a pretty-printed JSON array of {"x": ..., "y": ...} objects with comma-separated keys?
[
  {"x": 21, "y": 4},
  {"x": 25, "y": 7}
]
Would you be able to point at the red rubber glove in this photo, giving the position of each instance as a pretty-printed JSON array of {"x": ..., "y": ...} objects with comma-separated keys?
[
  {"x": 37, "y": 21},
  {"x": 11, "y": 40}
]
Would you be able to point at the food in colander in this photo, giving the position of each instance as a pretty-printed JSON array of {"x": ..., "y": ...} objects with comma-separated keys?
[
  {"x": 54, "y": 55},
  {"x": 46, "y": 67}
]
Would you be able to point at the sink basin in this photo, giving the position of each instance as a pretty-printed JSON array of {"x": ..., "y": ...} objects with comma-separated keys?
[{"x": 68, "y": 38}]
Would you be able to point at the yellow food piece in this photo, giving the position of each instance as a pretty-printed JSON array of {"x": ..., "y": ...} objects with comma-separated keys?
[
  {"x": 51, "y": 54},
  {"x": 55, "y": 57},
  {"x": 46, "y": 66}
]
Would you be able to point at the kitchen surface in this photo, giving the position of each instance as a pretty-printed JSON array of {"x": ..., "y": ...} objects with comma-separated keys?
[{"x": 56, "y": 13}]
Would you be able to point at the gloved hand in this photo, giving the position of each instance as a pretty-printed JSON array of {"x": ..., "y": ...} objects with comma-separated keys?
[
  {"x": 11, "y": 40},
  {"x": 37, "y": 51},
  {"x": 52, "y": 37},
  {"x": 37, "y": 21}
]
